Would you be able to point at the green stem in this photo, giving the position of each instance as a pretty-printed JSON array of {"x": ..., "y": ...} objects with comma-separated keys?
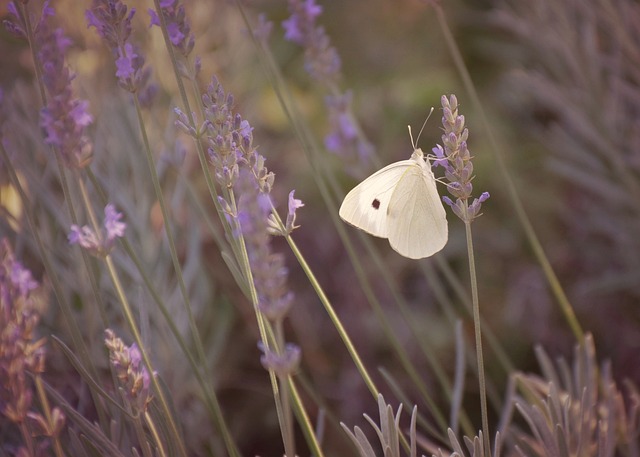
[
  {"x": 478, "y": 335},
  {"x": 334, "y": 317},
  {"x": 71, "y": 322},
  {"x": 170, "y": 237},
  {"x": 46, "y": 408},
  {"x": 126, "y": 307},
  {"x": 142, "y": 439},
  {"x": 303, "y": 420},
  {"x": 154, "y": 433},
  {"x": 243, "y": 258}
]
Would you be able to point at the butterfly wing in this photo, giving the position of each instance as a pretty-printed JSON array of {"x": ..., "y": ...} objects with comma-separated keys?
[
  {"x": 366, "y": 206},
  {"x": 416, "y": 220}
]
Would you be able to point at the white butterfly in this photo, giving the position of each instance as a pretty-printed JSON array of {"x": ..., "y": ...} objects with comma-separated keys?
[{"x": 401, "y": 203}]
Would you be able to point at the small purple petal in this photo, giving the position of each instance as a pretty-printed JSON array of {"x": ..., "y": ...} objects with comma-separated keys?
[
  {"x": 154, "y": 19},
  {"x": 292, "y": 30},
  {"x": 11, "y": 7},
  {"x": 92, "y": 20},
  {"x": 175, "y": 34},
  {"x": 312, "y": 10},
  {"x": 112, "y": 224},
  {"x": 124, "y": 63},
  {"x": 22, "y": 279},
  {"x": 333, "y": 142},
  {"x": 135, "y": 356},
  {"x": 80, "y": 113}
]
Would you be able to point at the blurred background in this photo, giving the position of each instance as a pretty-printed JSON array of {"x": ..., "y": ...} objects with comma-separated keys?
[{"x": 559, "y": 82}]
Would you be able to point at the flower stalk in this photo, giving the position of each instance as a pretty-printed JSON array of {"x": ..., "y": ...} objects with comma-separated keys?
[{"x": 455, "y": 158}]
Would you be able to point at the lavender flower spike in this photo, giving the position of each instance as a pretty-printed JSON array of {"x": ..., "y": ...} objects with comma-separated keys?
[
  {"x": 268, "y": 268},
  {"x": 113, "y": 24},
  {"x": 111, "y": 21},
  {"x": 21, "y": 354},
  {"x": 322, "y": 62},
  {"x": 321, "y": 59},
  {"x": 65, "y": 117},
  {"x": 455, "y": 158},
  {"x": 177, "y": 26}
]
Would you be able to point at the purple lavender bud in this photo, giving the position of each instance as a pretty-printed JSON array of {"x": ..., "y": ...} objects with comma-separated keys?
[
  {"x": 111, "y": 20},
  {"x": 153, "y": 18},
  {"x": 114, "y": 228},
  {"x": 458, "y": 166},
  {"x": 178, "y": 28},
  {"x": 183, "y": 123},
  {"x": 124, "y": 63}
]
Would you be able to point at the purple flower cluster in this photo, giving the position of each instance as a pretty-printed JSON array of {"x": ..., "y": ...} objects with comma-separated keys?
[
  {"x": 344, "y": 138},
  {"x": 268, "y": 268},
  {"x": 133, "y": 376},
  {"x": 99, "y": 244},
  {"x": 455, "y": 158},
  {"x": 178, "y": 28},
  {"x": 321, "y": 59},
  {"x": 113, "y": 23},
  {"x": 65, "y": 117},
  {"x": 230, "y": 140},
  {"x": 239, "y": 167},
  {"x": 323, "y": 64}
]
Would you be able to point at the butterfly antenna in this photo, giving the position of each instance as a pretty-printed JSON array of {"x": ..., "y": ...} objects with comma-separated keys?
[{"x": 421, "y": 129}]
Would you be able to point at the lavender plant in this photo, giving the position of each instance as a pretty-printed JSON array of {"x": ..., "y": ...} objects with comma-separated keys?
[
  {"x": 576, "y": 105},
  {"x": 199, "y": 282},
  {"x": 22, "y": 361}
]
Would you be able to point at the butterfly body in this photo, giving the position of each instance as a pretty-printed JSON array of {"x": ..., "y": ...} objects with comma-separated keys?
[{"x": 400, "y": 202}]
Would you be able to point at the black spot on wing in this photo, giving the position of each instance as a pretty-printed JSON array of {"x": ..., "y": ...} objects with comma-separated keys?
[{"x": 375, "y": 203}]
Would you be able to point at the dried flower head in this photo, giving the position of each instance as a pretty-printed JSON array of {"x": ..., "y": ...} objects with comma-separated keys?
[
  {"x": 133, "y": 376},
  {"x": 283, "y": 364},
  {"x": 21, "y": 352}
]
